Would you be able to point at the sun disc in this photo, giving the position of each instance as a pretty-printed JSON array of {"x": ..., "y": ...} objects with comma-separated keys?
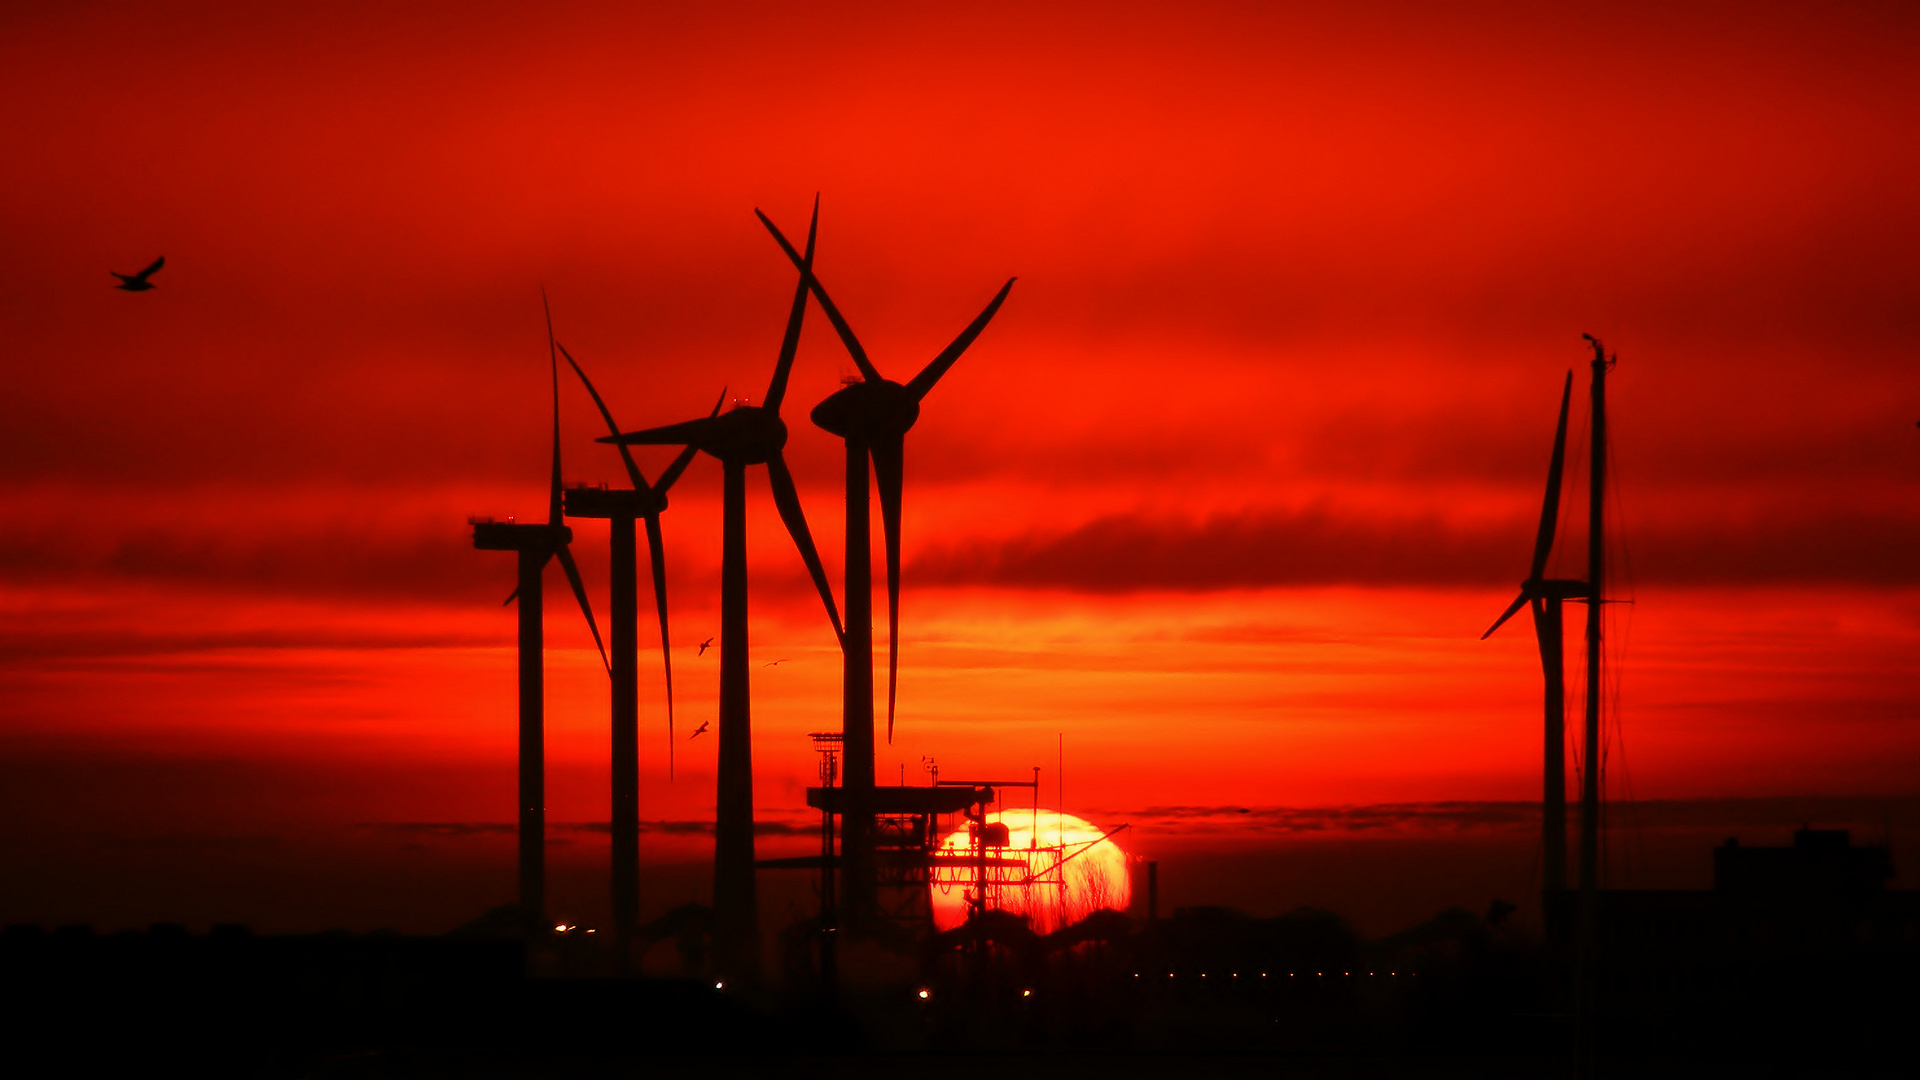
[{"x": 1071, "y": 871}]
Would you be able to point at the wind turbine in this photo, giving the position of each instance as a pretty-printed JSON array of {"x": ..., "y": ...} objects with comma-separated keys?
[
  {"x": 746, "y": 435},
  {"x": 621, "y": 509},
  {"x": 1545, "y": 596},
  {"x": 536, "y": 544},
  {"x": 1593, "y": 593},
  {"x": 873, "y": 416}
]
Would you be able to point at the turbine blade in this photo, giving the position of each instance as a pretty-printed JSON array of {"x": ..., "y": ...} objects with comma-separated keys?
[
  {"x": 888, "y": 454},
  {"x": 511, "y": 597},
  {"x": 777, "y": 389},
  {"x": 580, "y": 594},
  {"x": 1512, "y": 610},
  {"x": 657, "y": 553},
  {"x": 680, "y": 463},
  {"x": 787, "y": 499},
  {"x": 930, "y": 374},
  {"x": 859, "y": 354},
  {"x": 686, "y": 433},
  {"x": 674, "y": 469},
  {"x": 633, "y": 470},
  {"x": 553, "y": 356},
  {"x": 1550, "y": 507}
]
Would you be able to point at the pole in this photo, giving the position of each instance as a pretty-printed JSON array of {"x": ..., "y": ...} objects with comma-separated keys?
[
  {"x": 533, "y": 763},
  {"x": 735, "y": 906},
  {"x": 625, "y": 824},
  {"x": 1554, "y": 796},
  {"x": 856, "y": 708},
  {"x": 829, "y": 902}
]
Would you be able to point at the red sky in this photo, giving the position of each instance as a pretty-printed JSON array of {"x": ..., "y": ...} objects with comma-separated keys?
[{"x": 1224, "y": 495}]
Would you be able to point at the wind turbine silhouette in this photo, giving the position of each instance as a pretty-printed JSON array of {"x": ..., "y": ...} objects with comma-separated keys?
[
  {"x": 536, "y": 545},
  {"x": 1546, "y": 596},
  {"x": 873, "y": 416},
  {"x": 746, "y": 435},
  {"x": 621, "y": 509}
]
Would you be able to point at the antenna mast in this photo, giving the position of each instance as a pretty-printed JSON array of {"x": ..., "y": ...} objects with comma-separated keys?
[{"x": 1590, "y": 778}]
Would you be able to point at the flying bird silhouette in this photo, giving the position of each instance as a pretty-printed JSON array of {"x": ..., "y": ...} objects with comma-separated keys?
[
  {"x": 701, "y": 730},
  {"x": 138, "y": 282},
  {"x": 704, "y": 646},
  {"x": 771, "y": 663}
]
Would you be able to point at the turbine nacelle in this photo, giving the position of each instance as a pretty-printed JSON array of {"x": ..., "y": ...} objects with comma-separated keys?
[
  {"x": 520, "y": 536},
  {"x": 868, "y": 410},
  {"x": 600, "y": 502},
  {"x": 746, "y": 435}
]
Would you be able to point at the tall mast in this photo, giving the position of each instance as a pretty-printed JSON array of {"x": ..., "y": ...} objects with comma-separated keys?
[
  {"x": 1596, "y": 596},
  {"x": 1590, "y": 779}
]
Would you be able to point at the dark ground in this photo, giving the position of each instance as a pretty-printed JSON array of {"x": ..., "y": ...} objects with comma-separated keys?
[{"x": 1469, "y": 1003}]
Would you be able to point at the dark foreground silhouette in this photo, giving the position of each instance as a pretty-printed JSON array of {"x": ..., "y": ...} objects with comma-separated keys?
[{"x": 1797, "y": 961}]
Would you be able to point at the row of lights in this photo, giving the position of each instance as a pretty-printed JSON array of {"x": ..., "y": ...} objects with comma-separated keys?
[
  {"x": 1292, "y": 974},
  {"x": 925, "y": 994}
]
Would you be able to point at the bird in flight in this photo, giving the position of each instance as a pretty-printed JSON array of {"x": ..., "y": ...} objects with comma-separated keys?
[
  {"x": 701, "y": 731},
  {"x": 703, "y": 647},
  {"x": 771, "y": 663},
  {"x": 138, "y": 282}
]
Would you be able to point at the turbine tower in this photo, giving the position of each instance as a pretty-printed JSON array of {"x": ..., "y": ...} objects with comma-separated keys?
[
  {"x": 1546, "y": 596},
  {"x": 536, "y": 544},
  {"x": 873, "y": 416},
  {"x": 643, "y": 502},
  {"x": 746, "y": 435}
]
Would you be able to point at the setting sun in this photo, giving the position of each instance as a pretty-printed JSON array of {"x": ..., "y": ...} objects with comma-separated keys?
[{"x": 1072, "y": 869}]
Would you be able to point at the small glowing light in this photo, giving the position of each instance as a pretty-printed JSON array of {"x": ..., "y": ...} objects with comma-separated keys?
[
  {"x": 589, "y": 930},
  {"x": 1026, "y": 993},
  {"x": 923, "y": 995},
  {"x": 1263, "y": 974},
  {"x": 1236, "y": 974},
  {"x": 561, "y": 928},
  {"x": 720, "y": 986}
]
